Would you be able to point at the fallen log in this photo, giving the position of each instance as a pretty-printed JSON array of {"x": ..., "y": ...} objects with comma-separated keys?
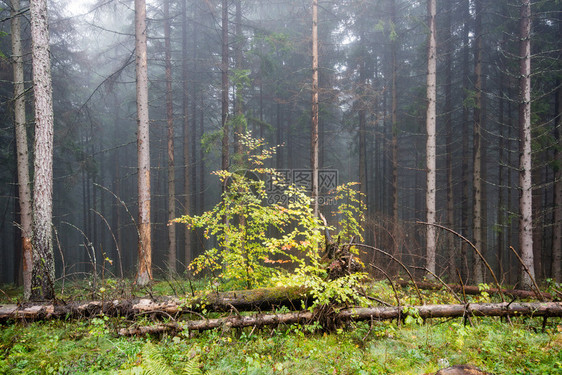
[
  {"x": 475, "y": 290},
  {"x": 244, "y": 300},
  {"x": 542, "y": 309}
]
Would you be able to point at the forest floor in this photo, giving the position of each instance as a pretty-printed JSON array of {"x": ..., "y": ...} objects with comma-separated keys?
[{"x": 93, "y": 346}]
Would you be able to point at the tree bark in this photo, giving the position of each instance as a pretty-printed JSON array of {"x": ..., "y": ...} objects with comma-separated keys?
[
  {"x": 431, "y": 244},
  {"x": 24, "y": 186},
  {"x": 315, "y": 108},
  {"x": 239, "y": 104},
  {"x": 557, "y": 229},
  {"x": 188, "y": 139},
  {"x": 394, "y": 140},
  {"x": 242, "y": 300},
  {"x": 557, "y": 225},
  {"x": 225, "y": 84},
  {"x": 477, "y": 146},
  {"x": 172, "y": 256},
  {"x": 550, "y": 309},
  {"x": 43, "y": 271},
  {"x": 451, "y": 262},
  {"x": 144, "y": 272},
  {"x": 525, "y": 183}
]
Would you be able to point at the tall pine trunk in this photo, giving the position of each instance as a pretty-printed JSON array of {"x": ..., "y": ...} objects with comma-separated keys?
[
  {"x": 525, "y": 183},
  {"x": 144, "y": 272},
  {"x": 24, "y": 186},
  {"x": 224, "y": 87},
  {"x": 431, "y": 244},
  {"x": 451, "y": 263},
  {"x": 172, "y": 256},
  {"x": 314, "y": 128},
  {"x": 557, "y": 230},
  {"x": 477, "y": 220},
  {"x": 43, "y": 271},
  {"x": 186, "y": 136},
  {"x": 465, "y": 138}
]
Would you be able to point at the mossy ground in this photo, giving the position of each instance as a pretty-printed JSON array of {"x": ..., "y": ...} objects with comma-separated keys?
[
  {"x": 93, "y": 346},
  {"x": 83, "y": 347}
]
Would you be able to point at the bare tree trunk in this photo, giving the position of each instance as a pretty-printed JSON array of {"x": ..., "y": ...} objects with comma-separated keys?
[
  {"x": 186, "y": 136},
  {"x": 239, "y": 110},
  {"x": 548, "y": 309},
  {"x": 24, "y": 186},
  {"x": 43, "y": 270},
  {"x": 144, "y": 272},
  {"x": 431, "y": 244},
  {"x": 501, "y": 174},
  {"x": 361, "y": 96},
  {"x": 477, "y": 145},
  {"x": 557, "y": 229},
  {"x": 225, "y": 84},
  {"x": 314, "y": 131},
  {"x": 465, "y": 139},
  {"x": 451, "y": 263},
  {"x": 525, "y": 183},
  {"x": 394, "y": 131},
  {"x": 172, "y": 256}
]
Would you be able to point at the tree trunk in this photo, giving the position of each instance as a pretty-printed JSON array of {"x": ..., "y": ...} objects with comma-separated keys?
[
  {"x": 24, "y": 186},
  {"x": 144, "y": 272},
  {"x": 551, "y": 309},
  {"x": 394, "y": 140},
  {"x": 43, "y": 271},
  {"x": 557, "y": 217},
  {"x": 314, "y": 131},
  {"x": 557, "y": 229},
  {"x": 464, "y": 203},
  {"x": 187, "y": 172},
  {"x": 225, "y": 84},
  {"x": 172, "y": 256},
  {"x": 431, "y": 244},
  {"x": 239, "y": 105},
  {"x": 477, "y": 146},
  {"x": 525, "y": 184},
  {"x": 361, "y": 94},
  {"x": 451, "y": 263}
]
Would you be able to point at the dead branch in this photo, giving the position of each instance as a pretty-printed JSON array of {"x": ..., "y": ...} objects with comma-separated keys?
[{"x": 503, "y": 309}]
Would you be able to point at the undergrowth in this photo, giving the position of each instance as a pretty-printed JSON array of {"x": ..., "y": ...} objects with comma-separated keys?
[{"x": 83, "y": 347}]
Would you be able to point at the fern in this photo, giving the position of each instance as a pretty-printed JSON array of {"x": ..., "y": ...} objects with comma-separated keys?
[
  {"x": 154, "y": 364},
  {"x": 192, "y": 368}
]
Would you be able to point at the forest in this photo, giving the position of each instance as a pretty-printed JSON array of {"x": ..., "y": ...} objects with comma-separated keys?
[
  {"x": 219, "y": 69},
  {"x": 307, "y": 166}
]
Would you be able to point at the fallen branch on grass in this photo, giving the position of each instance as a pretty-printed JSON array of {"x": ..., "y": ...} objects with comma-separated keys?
[
  {"x": 540, "y": 309},
  {"x": 256, "y": 299}
]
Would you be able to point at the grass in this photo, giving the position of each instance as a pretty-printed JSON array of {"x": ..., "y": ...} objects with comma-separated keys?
[{"x": 93, "y": 347}]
